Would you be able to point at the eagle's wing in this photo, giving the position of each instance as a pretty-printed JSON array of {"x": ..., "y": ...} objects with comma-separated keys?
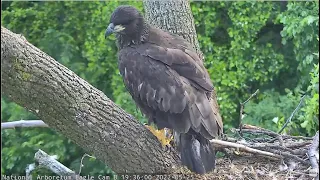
[
  {"x": 163, "y": 89},
  {"x": 171, "y": 41},
  {"x": 183, "y": 61},
  {"x": 152, "y": 82}
]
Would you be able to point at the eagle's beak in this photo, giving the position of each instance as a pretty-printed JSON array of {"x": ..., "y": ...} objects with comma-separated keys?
[
  {"x": 113, "y": 29},
  {"x": 109, "y": 30}
]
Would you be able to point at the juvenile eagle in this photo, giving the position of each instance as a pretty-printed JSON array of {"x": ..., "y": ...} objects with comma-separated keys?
[{"x": 169, "y": 83}]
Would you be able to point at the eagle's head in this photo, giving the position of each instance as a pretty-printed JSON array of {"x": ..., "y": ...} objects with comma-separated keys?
[{"x": 128, "y": 25}]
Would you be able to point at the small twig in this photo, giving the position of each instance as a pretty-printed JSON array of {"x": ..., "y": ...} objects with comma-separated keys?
[
  {"x": 53, "y": 165},
  {"x": 290, "y": 137},
  {"x": 292, "y": 114},
  {"x": 260, "y": 140},
  {"x": 249, "y": 126},
  {"x": 252, "y": 95},
  {"x": 230, "y": 139},
  {"x": 81, "y": 165},
  {"x": 297, "y": 144},
  {"x": 23, "y": 123},
  {"x": 296, "y": 137},
  {"x": 312, "y": 154},
  {"x": 266, "y": 147},
  {"x": 289, "y": 156},
  {"x": 242, "y": 104}
]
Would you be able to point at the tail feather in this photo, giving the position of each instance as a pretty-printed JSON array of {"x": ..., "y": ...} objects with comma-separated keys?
[{"x": 196, "y": 153}]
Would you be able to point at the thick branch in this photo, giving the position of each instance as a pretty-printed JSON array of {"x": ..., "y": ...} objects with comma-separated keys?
[{"x": 77, "y": 110}]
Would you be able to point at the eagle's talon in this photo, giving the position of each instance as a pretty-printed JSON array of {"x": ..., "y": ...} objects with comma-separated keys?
[{"x": 164, "y": 138}]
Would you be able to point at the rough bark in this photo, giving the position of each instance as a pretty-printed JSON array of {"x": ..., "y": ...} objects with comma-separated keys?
[
  {"x": 77, "y": 110},
  {"x": 174, "y": 16}
]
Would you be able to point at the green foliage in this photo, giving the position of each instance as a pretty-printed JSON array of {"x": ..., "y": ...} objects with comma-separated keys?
[
  {"x": 309, "y": 119},
  {"x": 271, "y": 46},
  {"x": 301, "y": 25},
  {"x": 272, "y": 111},
  {"x": 247, "y": 57}
]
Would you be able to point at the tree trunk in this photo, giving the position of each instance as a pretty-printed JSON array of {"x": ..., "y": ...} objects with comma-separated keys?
[
  {"x": 76, "y": 109},
  {"x": 174, "y": 16}
]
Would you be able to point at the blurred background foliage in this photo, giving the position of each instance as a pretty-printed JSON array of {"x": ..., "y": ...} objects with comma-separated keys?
[{"x": 270, "y": 46}]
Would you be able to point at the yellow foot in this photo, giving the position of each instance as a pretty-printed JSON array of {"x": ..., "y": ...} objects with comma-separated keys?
[{"x": 164, "y": 135}]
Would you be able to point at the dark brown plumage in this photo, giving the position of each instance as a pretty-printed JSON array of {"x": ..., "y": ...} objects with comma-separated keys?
[{"x": 169, "y": 83}]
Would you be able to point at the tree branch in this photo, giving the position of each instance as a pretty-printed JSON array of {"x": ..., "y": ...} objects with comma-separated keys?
[
  {"x": 242, "y": 104},
  {"x": 77, "y": 110},
  {"x": 81, "y": 164},
  {"x": 292, "y": 114},
  {"x": 53, "y": 165},
  {"x": 23, "y": 123},
  {"x": 245, "y": 148}
]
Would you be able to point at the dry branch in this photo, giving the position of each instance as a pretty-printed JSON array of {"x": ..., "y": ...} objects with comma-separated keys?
[
  {"x": 257, "y": 131},
  {"x": 242, "y": 147},
  {"x": 23, "y": 123},
  {"x": 81, "y": 162},
  {"x": 242, "y": 104},
  {"x": 53, "y": 165},
  {"x": 292, "y": 114}
]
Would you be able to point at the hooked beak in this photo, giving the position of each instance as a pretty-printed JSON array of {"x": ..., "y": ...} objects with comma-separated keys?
[
  {"x": 113, "y": 29},
  {"x": 109, "y": 30}
]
